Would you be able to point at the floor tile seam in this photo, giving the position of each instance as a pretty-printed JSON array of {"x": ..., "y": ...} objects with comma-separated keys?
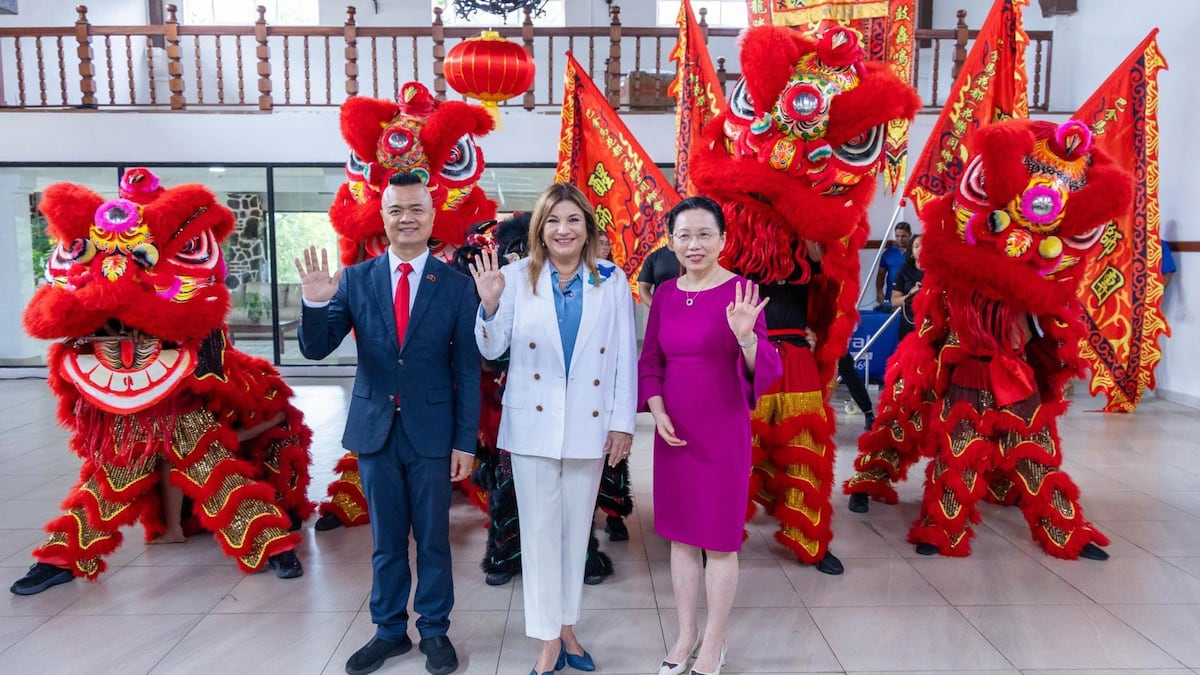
[
  {"x": 1147, "y": 638},
  {"x": 199, "y": 619},
  {"x": 45, "y": 619}
]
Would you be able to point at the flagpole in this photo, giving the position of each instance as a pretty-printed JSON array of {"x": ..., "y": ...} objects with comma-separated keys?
[{"x": 862, "y": 291}]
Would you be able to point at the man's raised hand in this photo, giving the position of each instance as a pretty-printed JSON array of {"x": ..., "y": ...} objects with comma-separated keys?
[{"x": 316, "y": 284}]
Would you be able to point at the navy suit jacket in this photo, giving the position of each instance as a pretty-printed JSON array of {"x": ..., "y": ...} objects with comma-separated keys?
[{"x": 436, "y": 373}]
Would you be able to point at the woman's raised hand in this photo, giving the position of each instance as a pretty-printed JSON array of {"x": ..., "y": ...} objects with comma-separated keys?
[
  {"x": 489, "y": 282},
  {"x": 743, "y": 312},
  {"x": 316, "y": 284}
]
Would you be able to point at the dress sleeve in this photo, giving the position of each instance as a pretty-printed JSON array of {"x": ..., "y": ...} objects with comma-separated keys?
[
  {"x": 768, "y": 367},
  {"x": 652, "y": 363}
]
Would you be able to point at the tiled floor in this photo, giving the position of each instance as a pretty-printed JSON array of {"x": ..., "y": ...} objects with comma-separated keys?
[{"x": 1008, "y": 608}]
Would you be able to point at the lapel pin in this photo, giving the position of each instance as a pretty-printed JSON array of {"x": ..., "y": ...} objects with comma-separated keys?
[{"x": 430, "y": 277}]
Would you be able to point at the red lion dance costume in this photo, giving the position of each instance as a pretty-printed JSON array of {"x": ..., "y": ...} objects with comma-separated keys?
[
  {"x": 145, "y": 374},
  {"x": 792, "y": 161},
  {"x": 416, "y": 134},
  {"x": 979, "y": 385}
]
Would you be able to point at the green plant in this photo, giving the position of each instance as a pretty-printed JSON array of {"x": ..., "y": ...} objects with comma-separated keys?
[{"x": 256, "y": 305}]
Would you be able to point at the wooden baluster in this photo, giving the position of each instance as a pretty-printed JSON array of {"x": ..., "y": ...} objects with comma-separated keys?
[
  {"x": 41, "y": 69},
  {"x": 199, "y": 70},
  {"x": 396, "y": 67},
  {"x": 1049, "y": 70},
  {"x": 112, "y": 89},
  {"x": 307, "y": 74},
  {"x": 328, "y": 74},
  {"x": 916, "y": 68},
  {"x": 439, "y": 55},
  {"x": 960, "y": 43},
  {"x": 1037, "y": 77},
  {"x": 174, "y": 59},
  {"x": 350, "y": 35},
  {"x": 937, "y": 63},
  {"x": 220, "y": 71},
  {"x": 527, "y": 42},
  {"x": 613, "y": 81},
  {"x": 722, "y": 74},
  {"x": 241, "y": 80},
  {"x": 637, "y": 54},
  {"x": 150, "y": 69},
  {"x": 20, "y": 74},
  {"x": 263, "y": 52},
  {"x": 550, "y": 70},
  {"x": 129, "y": 72},
  {"x": 287, "y": 72},
  {"x": 704, "y": 23},
  {"x": 87, "y": 71},
  {"x": 415, "y": 54},
  {"x": 658, "y": 62},
  {"x": 62, "y": 70},
  {"x": 592, "y": 55},
  {"x": 374, "y": 67}
]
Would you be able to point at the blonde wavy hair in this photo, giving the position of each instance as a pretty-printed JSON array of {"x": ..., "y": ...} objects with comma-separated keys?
[{"x": 546, "y": 202}]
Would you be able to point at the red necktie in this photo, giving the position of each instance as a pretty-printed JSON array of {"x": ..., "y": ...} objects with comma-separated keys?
[{"x": 400, "y": 303}]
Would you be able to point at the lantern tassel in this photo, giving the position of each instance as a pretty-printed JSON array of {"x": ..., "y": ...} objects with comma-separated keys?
[{"x": 494, "y": 111}]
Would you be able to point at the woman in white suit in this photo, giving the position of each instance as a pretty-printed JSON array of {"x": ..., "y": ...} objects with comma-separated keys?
[{"x": 567, "y": 320}]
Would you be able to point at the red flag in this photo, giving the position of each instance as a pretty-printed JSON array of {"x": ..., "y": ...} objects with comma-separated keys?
[
  {"x": 598, "y": 155},
  {"x": 898, "y": 47},
  {"x": 759, "y": 12},
  {"x": 1122, "y": 287},
  {"x": 699, "y": 93},
  {"x": 992, "y": 86}
]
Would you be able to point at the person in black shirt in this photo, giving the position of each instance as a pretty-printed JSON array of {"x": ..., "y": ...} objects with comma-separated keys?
[
  {"x": 908, "y": 282},
  {"x": 659, "y": 266}
]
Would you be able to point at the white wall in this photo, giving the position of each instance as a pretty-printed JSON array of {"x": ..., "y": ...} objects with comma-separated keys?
[{"x": 1087, "y": 47}]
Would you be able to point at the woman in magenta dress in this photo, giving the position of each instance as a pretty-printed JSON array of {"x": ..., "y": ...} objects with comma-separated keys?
[{"x": 705, "y": 361}]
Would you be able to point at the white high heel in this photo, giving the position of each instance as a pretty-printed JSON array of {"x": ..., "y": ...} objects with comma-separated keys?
[
  {"x": 669, "y": 668},
  {"x": 720, "y": 665}
]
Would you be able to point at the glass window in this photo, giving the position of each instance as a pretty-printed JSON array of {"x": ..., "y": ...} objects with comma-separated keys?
[
  {"x": 555, "y": 15},
  {"x": 242, "y": 12},
  {"x": 721, "y": 13}
]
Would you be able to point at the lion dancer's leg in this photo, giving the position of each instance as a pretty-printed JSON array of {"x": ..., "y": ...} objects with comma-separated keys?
[
  {"x": 956, "y": 479},
  {"x": 240, "y": 510},
  {"x": 886, "y": 452},
  {"x": 1048, "y": 497},
  {"x": 347, "y": 505},
  {"x": 793, "y": 439},
  {"x": 285, "y": 463},
  {"x": 107, "y": 498}
]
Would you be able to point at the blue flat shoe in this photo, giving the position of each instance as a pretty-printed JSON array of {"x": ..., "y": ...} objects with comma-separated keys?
[{"x": 566, "y": 658}]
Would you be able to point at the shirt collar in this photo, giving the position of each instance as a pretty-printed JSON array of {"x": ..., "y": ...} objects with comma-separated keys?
[{"x": 418, "y": 263}]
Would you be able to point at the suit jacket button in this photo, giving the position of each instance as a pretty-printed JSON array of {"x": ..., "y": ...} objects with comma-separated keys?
[
  {"x": 537, "y": 376},
  {"x": 400, "y": 362},
  {"x": 602, "y": 350},
  {"x": 391, "y": 397},
  {"x": 539, "y": 408},
  {"x": 532, "y": 345},
  {"x": 595, "y": 413},
  {"x": 596, "y": 383}
]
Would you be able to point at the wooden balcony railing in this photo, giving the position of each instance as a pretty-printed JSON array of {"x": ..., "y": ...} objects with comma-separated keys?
[{"x": 260, "y": 66}]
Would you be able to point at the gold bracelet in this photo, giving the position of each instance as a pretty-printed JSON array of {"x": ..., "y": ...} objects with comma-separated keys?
[{"x": 749, "y": 343}]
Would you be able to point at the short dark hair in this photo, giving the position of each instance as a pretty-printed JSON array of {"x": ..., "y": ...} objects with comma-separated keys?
[
  {"x": 903, "y": 225},
  {"x": 402, "y": 178},
  {"x": 699, "y": 203}
]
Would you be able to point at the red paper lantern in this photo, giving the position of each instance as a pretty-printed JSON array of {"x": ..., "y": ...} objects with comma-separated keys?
[{"x": 489, "y": 68}]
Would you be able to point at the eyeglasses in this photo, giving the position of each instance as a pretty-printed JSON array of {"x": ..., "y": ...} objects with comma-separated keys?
[{"x": 702, "y": 237}]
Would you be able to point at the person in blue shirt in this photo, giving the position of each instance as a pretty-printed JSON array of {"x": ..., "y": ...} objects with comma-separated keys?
[{"x": 890, "y": 264}]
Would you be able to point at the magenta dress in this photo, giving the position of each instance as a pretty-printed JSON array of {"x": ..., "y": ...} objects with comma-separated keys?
[{"x": 691, "y": 359}]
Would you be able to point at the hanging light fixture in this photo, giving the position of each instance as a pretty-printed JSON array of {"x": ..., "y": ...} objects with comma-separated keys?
[{"x": 502, "y": 8}]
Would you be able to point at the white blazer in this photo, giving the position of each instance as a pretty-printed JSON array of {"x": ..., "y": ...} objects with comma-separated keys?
[{"x": 544, "y": 413}]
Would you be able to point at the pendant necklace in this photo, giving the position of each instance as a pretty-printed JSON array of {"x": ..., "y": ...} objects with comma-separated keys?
[{"x": 690, "y": 297}]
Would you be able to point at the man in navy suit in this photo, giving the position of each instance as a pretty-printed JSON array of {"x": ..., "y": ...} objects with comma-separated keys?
[{"x": 413, "y": 415}]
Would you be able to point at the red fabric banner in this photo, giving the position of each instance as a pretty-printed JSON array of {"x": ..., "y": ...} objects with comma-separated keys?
[
  {"x": 598, "y": 155},
  {"x": 697, "y": 90},
  {"x": 992, "y": 86},
  {"x": 1122, "y": 287}
]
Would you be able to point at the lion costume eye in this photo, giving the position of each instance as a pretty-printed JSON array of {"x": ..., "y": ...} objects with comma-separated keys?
[
  {"x": 201, "y": 251},
  {"x": 862, "y": 150},
  {"x": 971, "y": 187},
  {"x": 462, "y": 165},
  {"x": 739, "y": 101},
  {"x": 78, "y": 251},
  {"x": 1086, "y": 240}
]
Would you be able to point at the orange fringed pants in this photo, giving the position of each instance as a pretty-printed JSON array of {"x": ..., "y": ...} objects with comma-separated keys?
[
  {"x": 238, "y": 508},
  {"x": 794, "y": 456}
]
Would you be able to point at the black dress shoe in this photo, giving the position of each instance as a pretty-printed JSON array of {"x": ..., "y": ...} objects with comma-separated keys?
[
  {"x": 594, "y": 579},
  {"x": 830, "y": 564},
  {"x": 1089, "y": 551},
  {"x": 42, "y": 576},
  {"x": 869, "y": 418},
  {"x": 440, "y": 657},
  {"x": 924, "y": 548},
  {"x": 327, "y": 521},
  {"x": 615, "y": 527},
  {"x": 498, "y": 578},
  {"x": 286, "y": 565},
  {"x": 860, "y": 502},
  {"x": 371, "y": 656}
]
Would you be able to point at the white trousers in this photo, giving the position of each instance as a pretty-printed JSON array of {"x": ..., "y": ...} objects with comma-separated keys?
[{"x": 556, "y": 499}]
